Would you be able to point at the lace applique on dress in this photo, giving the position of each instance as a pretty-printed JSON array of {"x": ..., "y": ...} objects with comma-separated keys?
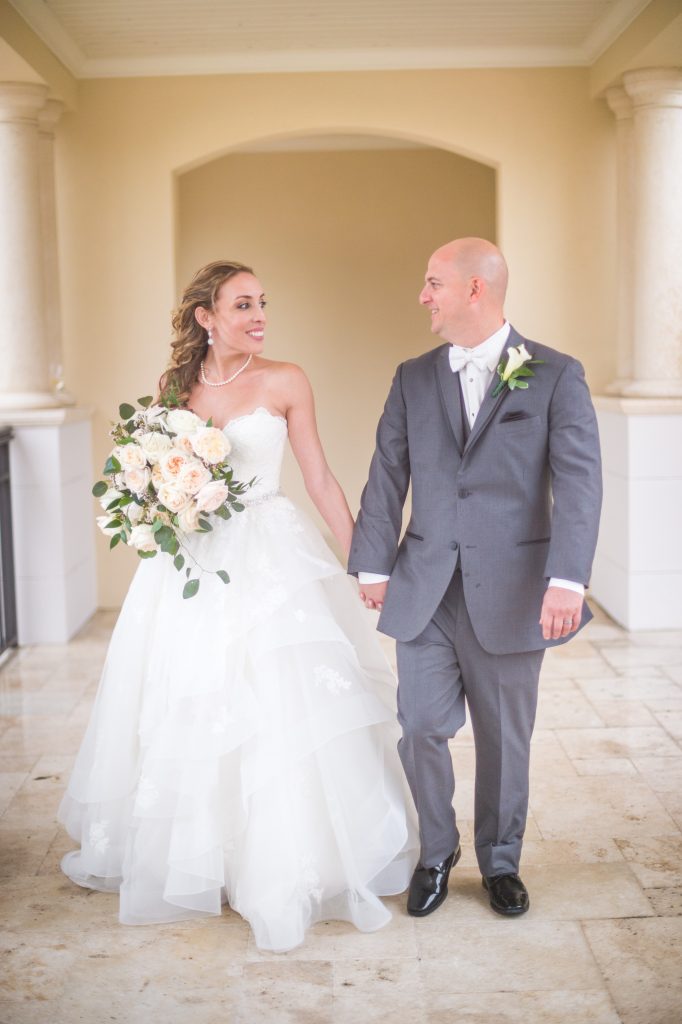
[{"x": 327, "y": 676}]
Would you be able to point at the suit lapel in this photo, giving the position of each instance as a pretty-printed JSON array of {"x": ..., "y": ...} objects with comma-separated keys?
[
  {"x": 490, "y": 405},
  {"x": 450, "y": 394}
]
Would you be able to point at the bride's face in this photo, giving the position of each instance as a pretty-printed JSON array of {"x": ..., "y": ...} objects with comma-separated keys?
[{"x": 237, "y": 320}]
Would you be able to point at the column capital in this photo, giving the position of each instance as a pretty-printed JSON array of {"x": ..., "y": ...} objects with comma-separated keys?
[
  {"x": 619, "y": 102},
  {"x": 21, "y": 101},
  {"x": 654, "y": 87},
  {"x": 49, "y": 116}
]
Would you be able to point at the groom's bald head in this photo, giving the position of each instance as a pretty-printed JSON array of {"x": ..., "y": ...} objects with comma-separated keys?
[
  {"x": 466, "y": 283},
  {"x": 477, "y": 257}
]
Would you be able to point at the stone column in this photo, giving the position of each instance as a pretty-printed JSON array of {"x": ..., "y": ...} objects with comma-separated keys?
[
  {"x": 656, "y": 95},
  {"x": 621, "y": 105},
  {"x": 47, "y": 123},
  {"x": 638, "y": 569},
  {"x": 24, "y": 360}
]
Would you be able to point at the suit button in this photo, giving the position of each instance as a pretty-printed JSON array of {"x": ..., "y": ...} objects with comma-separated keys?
[
  {"x": 462, "y": 493},
  {"x": 454, "y": 545}
]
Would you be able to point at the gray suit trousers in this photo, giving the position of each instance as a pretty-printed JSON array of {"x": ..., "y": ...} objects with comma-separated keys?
[{"x": 439, "y": 672}]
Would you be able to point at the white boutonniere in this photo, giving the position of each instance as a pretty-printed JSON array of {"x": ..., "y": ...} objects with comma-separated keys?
[{"x": 517, "y": 366}]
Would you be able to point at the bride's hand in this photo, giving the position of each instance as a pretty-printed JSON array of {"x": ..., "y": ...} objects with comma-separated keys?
[{"x": 373, "y": 595}]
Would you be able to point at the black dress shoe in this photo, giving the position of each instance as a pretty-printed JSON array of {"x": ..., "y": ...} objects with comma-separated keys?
[
  {"x": 508, "y": 894},
  {"x": 429, "y": 886}
]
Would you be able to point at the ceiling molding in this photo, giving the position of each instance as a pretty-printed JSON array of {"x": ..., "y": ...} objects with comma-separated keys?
[
  {"x": 610, "y": 26},
  {"x": 263, "y": 62},
  {"x": 40, "y": 18}
]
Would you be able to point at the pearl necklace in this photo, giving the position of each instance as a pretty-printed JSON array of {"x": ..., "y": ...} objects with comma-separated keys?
[{"x": 221, "y": 383}]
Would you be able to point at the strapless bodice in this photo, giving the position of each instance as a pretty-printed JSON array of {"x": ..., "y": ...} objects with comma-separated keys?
[{"x": 258, "y": 439}]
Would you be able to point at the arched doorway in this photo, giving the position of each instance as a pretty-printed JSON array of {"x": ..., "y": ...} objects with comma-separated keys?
[{"x": 339, "y": 229}]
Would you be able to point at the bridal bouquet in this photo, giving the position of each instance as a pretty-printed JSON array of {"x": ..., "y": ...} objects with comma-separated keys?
[{"x": 167, "y": 474}]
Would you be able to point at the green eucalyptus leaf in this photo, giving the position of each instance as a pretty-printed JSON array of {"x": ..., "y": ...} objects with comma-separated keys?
[
  {"x": 178, "y": 562},
  {"x": 147, "y": 554},
  {"x": 145, "y": 402},
  {"x": 111, "y": 466},
  {"x": 100, "y": 488},
  {"x": 223, "y": 575},
  {"x": 205, "y": 525},
  {"x": 190, "y": 588},
  {"x": 125, "y": 411},
  {"x": 237, "y": 506}
]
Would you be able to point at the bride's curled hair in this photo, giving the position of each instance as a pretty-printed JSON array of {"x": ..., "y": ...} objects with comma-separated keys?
[{"x": 190, "y": 343}]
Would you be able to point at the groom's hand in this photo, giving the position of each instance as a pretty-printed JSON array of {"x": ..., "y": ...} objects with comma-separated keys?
[
  {"x": 560, "y": 615},
  {"x": 372, "y": 595}
]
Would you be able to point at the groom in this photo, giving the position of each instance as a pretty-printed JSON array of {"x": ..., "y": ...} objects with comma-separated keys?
[{"x": 506, "y": 492}]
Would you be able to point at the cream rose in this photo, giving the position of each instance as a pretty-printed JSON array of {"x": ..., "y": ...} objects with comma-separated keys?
[
  {"x": 211, "y": 496},
  {"x": 137, "y": 480},
  {"x": 193, "y": 477},
  {"x": 134, "y": 512},
  {"x": 172, "y": 463},
  {"x": 184, "y": 443},
  {"x": 154, "y": 445},
  {"x": 180, "y": 421},
  {"x": 173, "y": 498},
  {"x": 188, "y": 519},
  {"x": 102, "y": 523},
  {"x": 211, "y": 445},
  {"x": 157, "y": 476},
  {"x": 517, "y": 357},
  {"x": 131, "y": 456},
  {"x": 142, "y": 538}
]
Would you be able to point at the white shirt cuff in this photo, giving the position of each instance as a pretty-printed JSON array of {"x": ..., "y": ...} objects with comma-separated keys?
[
  {"x": 579, "y": 588},
  {"x": 372, "y": 577}
]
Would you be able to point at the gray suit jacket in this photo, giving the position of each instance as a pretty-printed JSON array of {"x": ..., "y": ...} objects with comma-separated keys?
[{"x": 516, "y": 503}]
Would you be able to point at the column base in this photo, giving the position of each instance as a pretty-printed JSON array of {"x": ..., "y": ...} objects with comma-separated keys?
[
  {"x": 54, "y": 547},
  {"x": 637, "y": 575},
  {"x": 648, "y": 388}
]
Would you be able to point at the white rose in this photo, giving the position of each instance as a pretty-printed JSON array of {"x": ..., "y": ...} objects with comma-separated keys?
[
  {"x": 102, "y": 523},
  {"x": 211, "y": 496},
  {"x": 111, "y": 495},
  {"x": 211, "y": 445},
  {"x": 172, "y": 463},
  {"x": 134, "y": 512},
  {"x": 188, "y": 519},
  {"x": 154, "y": 445},
  {"x": 137, "y": 480},
  {"x": 180, "y": 421},
  {"x": 517, "y": 357},
  {"x": 142, "y": 538},
  {"x": 173, "y": 498},
  {"x": 193, "y": 477},
  {"x": 131, "y": 456},
  {"x": 155, "y": 414}
]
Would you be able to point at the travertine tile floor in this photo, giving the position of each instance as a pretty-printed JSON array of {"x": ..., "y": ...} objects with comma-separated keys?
[{"x": 603, "y": 862}]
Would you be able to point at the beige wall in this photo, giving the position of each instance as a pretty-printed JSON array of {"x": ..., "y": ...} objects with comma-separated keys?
[
  {"x": 120, "y": 151},
  {"x": 340, "y": 241}
]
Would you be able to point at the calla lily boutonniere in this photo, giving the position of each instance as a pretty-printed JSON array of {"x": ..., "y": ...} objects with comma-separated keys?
[{"x": 517, "y": 366}]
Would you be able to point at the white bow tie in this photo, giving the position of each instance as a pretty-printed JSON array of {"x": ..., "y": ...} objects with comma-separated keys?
[{"x": 461, "y": 357}]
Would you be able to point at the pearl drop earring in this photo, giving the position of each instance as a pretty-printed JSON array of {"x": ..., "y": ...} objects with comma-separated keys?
[{"x": 210, "y": 337}]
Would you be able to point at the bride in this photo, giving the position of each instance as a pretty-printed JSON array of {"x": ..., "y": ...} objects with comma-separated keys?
[{"x": 242, "y": 746}]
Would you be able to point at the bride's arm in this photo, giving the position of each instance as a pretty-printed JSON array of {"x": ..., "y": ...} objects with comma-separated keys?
[{"x": 320, "y": 482}]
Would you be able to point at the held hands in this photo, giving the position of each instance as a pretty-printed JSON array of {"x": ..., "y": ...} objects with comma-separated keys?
[
  {"x": 372, "y": 594},
  {"x": 560, "y": 613}
]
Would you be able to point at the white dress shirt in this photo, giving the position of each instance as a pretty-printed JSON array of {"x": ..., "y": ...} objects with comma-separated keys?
[{"x": 476, "y": 367}]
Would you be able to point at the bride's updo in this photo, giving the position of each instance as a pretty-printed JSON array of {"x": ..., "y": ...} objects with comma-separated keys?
[{"x": 191, "y": 340}]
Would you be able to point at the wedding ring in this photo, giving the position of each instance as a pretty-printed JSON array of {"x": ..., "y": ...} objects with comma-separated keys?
[{"x": 567, "y": 622}]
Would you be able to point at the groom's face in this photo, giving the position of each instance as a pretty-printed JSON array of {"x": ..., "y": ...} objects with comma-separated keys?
[{"x": 446, "y": 295}]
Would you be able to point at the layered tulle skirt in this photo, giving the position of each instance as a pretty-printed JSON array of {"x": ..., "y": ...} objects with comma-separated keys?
[{"x": 242, "y": 746}]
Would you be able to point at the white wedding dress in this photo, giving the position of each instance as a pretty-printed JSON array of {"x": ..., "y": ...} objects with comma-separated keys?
[{"x": 242, "y": 745}]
